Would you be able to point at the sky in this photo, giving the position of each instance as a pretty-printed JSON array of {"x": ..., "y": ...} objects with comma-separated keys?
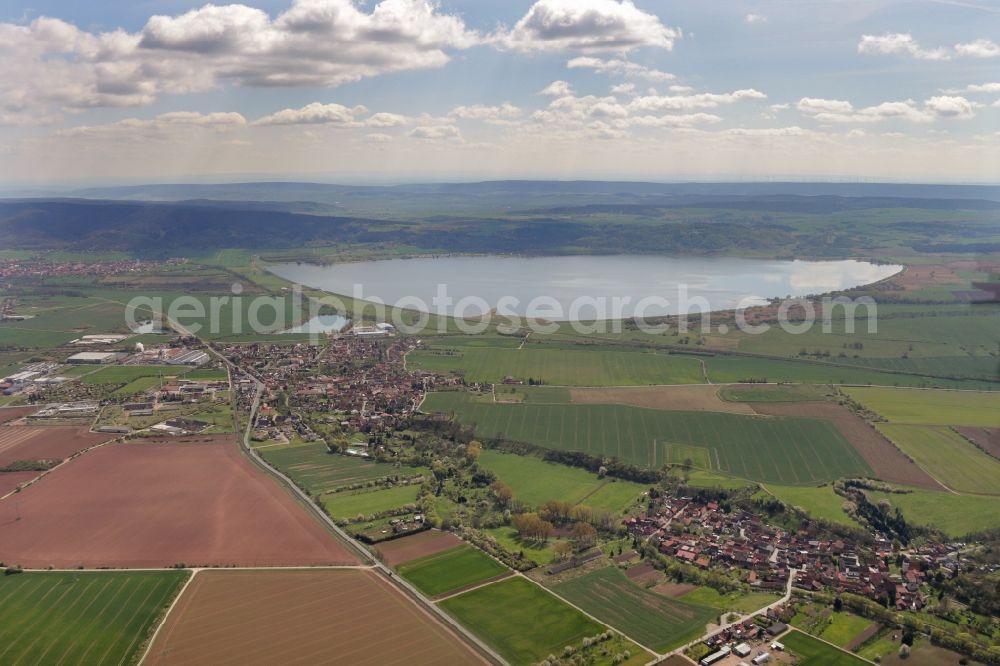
[{"x": 124, "y": 91}]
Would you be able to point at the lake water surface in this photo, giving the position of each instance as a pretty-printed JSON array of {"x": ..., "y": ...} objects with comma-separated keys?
[{"x": 563, "y": 282}]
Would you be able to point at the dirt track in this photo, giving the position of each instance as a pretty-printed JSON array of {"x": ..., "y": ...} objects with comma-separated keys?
[
  {"x": 696, "y": 397},
  {"x": 155, "y": 505},
  {"x": 422, "y": 544},
  {"x": 347, "y": 616},
  {"x": 45, "y": 443},
  {"x": 888, "y": 462}
]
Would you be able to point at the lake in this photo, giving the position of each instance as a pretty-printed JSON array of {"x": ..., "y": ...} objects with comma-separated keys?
[
  {"x": 580, "y": 287},
  {"x": 320, "y": 324}
]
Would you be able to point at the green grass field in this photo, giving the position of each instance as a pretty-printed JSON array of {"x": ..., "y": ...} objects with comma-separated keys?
[
  {"x": 562, "y": 367},
  {"x": 844, "y": 628},
  {"x": 520, "y": 620},
  {"x": 139, "y": 385},
  {"x": 535, "y": 481},
  {"x": 819, "y": 502},
  {"x": 81, "y": 617},
  {"x": 782, "y": 450},
  {"x": 954, "y": 515},
  {"x": 542, "y": 553},
  {"x": 651, "y": 619},
  {"x": 736, "y": 369},
  {"x": 123, "y": 374},
  {"x": 784, "y": 393},
  {"x": 312, "y": 468},
  {"x": 450, "y": 570},
  {"x": 350, "y": 504},
  {"x": 733, "y": 601},
  {"x": 947, "y": 456},
  {"x": 207, "y": 374},
  {"x": 812, "y": 652},
  {"x": 931, "y": 407}
]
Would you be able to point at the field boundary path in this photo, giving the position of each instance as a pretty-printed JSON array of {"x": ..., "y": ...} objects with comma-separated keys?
[{"x": 408, "y": 590}]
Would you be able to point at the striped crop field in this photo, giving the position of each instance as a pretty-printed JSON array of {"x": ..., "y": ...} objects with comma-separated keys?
[
  {"x": 784, "y": 450},
  {"x": 81, "y": 617}
]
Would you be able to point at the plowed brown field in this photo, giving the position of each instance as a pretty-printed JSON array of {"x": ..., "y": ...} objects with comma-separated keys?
[
  {"x": 12, "y": 413},
  {"x": 9, "y": 481},
  {"x": 332, "y": 616},
  {"x": 888, "y": 462},
  {"x": 45, "y": 443},
  {"x": 696, "y": 397},
  {"x": 155, "y": 505},
  {"x": 988, "y": 439},
  {"x": 421, "y": 544}
]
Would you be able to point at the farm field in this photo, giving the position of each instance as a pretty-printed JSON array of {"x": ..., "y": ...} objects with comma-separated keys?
[
  {"x": 535, "y": 481},
  {"x": 741, "y": 369},
  {"x": 81, "y": 617},
  {"x": 813, "y": 652},
  {"x": 653, "y": 620},
  {"x": 734, "y": 601},
  {"x": 313, "y": 468},
  {"x": 988, "y": 439},
  {"x": 138, "y": 385},
  {"x": 819, "y": 502},
  {"x": 695, "y": 397},
  {"x": 946, "y": 455},
  {"x": 931, "y": 407},
  {"x": 563, "y": 367},
  {"x": 59, "y": 319},
  {"x": 291, "y": 616},
  {"x": 774, "y": 393},
  {"x": 121, "y": 505},
  {"x": 8, "y": 414},
  {"x": 888, "y": 463},
  {"x": 451, "y": 570},
  {"x": 9, "y": 481},
  {"x": 123, "y": 374},
  {"x": 520, "y": 620},
  {"x": 421, "y": 544},
  {"x": 844, "y": 628},
  {"x": 783, "y": 450},
  {"x": 954, "y": 515},
  {"x": 350, "y": 504},
  {"x": 45, "y": 442}
]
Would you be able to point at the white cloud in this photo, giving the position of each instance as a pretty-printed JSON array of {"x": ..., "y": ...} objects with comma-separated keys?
[
  {"x": 315, "y": 114},
  {"x": 981, "y": 48},
  {"x": 435, "y": 132},
  {"x": 623, "y": 89},
  {"x": 587, "y": 26},
  {"x": 557, "y": 89},
  {"x": 755, "y": 18},
  {"x": 686, "y": 102},
  {"x": 983, "y": 88},
  {"x": 378, "y": 137},
  {"x": 165, "y": 122},
  {"x": 52, "y": 66},
  {"x": 619, "y": 67},
  {"x": 504, "y": 112},
  {"x": 899, "y": 43},
  {"x": 841, "y": 111}
]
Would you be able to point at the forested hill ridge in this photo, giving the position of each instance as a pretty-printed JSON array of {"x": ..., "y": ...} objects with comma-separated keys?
[{"x": 765, "y": 225}]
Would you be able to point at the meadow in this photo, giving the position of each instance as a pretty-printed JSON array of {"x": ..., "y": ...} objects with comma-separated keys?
[
  {"x": 727, "y": 369},
  {"x": 733, "y": 601},
  {"x": 138, "y": 385},
  {"x": 782, "y": 450},
  {"x": 931, "y": 407},
  {"x": 818, "y": 502},
  {"x": 812, "y": 652},
  {"x": 81, "y": 617},
  {"x": 520, "y": 620},
  {"x": 561, "y": 366},
  {"x": 947, "y": 456},
  {"x": 351, "y": 504},
  {"x": 313, "y": 468},
  {"x": 450, "y": 570},
  {"x": 955, "y": 516},
  {"x": 535, "y": 481},
  {"x": 784, "y": 393},
  {"x": 656, "y": 621},
  {"x": 123, "y": 374}
]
